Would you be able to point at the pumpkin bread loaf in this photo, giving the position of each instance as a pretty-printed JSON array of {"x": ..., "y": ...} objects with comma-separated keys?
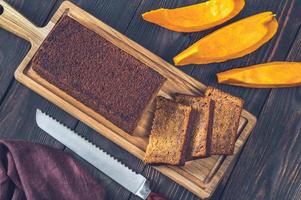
[
  {"x": 169, "y": 138},
  {"x": 201, "y": 124},
  {"x": 227, "y": 111},
  {"x": 97, "y": 73}
]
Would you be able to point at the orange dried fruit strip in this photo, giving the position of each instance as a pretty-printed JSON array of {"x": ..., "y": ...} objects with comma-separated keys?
[
  {"x": 268, "y": 75},
  {"x": 233, "y": 41},
  {"x": 196, "y": 17}
]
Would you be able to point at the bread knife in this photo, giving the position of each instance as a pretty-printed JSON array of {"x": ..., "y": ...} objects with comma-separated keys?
[{"x": 133, "y": 182}]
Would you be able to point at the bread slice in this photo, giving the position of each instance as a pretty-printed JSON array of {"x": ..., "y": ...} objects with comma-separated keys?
[
  {"x": 169, "y": 136},
  {"x": 227, "y": 111},
  {"x": 202, "y": 110}
]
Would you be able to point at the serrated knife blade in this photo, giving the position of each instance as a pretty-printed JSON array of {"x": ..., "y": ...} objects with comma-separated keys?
[{"x": 135, "y": 183}]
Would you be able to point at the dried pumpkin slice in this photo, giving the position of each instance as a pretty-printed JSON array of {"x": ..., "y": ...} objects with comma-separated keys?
[
  {"x": 268, "y": 75},
  {"x": 196, "y": 17},
  {"x": 233, "y": 41}
]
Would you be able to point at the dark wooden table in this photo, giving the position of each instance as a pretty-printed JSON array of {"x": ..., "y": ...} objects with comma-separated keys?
[{"x": 269, "y": 166}]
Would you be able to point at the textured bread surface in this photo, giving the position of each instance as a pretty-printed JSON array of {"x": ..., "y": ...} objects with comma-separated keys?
[
  {"x": 202, "y": 109},
  {"x": 97, "y": 73},
  {"x": 169, "y": 136},
  {"x": 227, "y": 111}
]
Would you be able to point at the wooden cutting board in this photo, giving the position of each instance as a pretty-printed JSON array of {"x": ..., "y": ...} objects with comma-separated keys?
[{"x": 200, "y": 176}]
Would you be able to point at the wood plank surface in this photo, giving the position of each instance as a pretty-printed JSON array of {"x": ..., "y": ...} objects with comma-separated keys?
[
  {"x": 269, "y": 167},
  {"x": 277, "y": 49},
  {"x": 101, "y": 9},
  {"x": 289, "y": 19},
  {"x": 116, "y": 14},
  {"x": 12, "y": 50},
  {"x": 165, "y": 44},
  {"x": 162, "y": 42},
  {"x": 109, "y": 12},
  {"x": 18, "y": 104},
  {"x": 17, "y": 118},
  {"x": 287, "y": 13},
  {"x": 200, "y": 177},
  {"x": 114, "y": 190}
]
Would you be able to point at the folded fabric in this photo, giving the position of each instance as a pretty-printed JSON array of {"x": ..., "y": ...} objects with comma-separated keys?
[{"x": 34, "y": 171}]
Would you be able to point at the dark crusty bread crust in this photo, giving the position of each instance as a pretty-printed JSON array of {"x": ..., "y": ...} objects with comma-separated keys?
[
  {"x": 202, "y": 108},
  {"x": 227, "y": 111},
  {"x": 169, "y": 135},
  {"x": 97, "y": 73}
]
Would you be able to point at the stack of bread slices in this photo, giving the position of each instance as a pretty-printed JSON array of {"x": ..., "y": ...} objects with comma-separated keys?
[{"x": 192, "y": 127}]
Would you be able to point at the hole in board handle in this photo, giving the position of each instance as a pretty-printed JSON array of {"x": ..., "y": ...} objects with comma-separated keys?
[{"x": 1, "y": 9}]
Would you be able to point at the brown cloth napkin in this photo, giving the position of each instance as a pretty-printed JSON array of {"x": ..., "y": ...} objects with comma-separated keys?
[{"x": 34, "y": 171}]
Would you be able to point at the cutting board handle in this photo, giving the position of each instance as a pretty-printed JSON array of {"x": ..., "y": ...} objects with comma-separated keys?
[{"x": 12, "y": 21}]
